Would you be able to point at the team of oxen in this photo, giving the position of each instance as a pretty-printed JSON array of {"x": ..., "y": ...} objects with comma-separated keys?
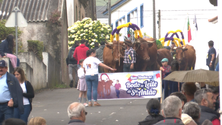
[{"x": 148, "y": 58}]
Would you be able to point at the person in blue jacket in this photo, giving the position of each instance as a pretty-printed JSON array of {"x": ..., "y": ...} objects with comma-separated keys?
[{"x": 11, "y": 94}]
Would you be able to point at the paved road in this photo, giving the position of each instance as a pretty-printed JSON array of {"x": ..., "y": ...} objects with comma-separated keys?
[{"x": 52, "y": 105}]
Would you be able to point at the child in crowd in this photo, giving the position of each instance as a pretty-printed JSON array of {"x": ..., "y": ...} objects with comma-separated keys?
[
  {"x": 82, "y": 87},
  {"x": 165, "y": 67},
  {"x": 117, "y": 87}
]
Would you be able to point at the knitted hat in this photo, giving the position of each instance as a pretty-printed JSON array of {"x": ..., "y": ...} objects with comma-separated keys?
[{"x": 164, "y": 60}]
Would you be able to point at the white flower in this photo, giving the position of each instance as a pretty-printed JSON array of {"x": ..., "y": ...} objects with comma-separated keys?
[{"x": 92, "y": 43}]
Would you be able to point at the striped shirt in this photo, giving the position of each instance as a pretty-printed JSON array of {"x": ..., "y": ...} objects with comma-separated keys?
[{"x": 130, "y": 56}]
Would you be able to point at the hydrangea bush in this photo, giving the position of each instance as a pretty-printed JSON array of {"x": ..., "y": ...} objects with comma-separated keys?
[{"x": 93, "y": 31}]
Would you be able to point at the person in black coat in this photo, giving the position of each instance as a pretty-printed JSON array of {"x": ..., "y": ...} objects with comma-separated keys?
[
  {"x": 170, "y": 86},
  {"x": 153, "y": 108},
  {"x": 6, "y": 50},
  {"x": 28, "y": 94},
  {"x": 72, "y": 64}
]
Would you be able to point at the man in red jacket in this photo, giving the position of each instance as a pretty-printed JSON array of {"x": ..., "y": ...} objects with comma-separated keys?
[{"x": 80, "y": 51}]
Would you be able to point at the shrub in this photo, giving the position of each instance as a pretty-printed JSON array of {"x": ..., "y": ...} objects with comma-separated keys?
[
  {"x": 54, "y": 18},
  {"x": 93, "y": 31},
  {"x": 36, "y": 47}
]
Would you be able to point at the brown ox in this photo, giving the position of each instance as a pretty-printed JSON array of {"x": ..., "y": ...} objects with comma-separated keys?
[
  {"x": 146, "y": 54},
  {"x": 108, "y": 84},
  {"x": 186, "y": 57},
  {"x": 111, "y": 56},
  {"x": 100, "y": 88},
  {"x": 164, "y": 53}
]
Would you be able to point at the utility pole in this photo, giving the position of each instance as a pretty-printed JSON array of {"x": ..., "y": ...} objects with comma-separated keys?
[
  {"x": 159, "y": 23},
  {"x": 109, "y": 11},
  {"x": 154, "y": 20}
]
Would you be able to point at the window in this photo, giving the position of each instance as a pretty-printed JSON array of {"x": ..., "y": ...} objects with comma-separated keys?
[
  {"x": 117, "y": 23},
  {"x": 141, "y": 16},
  {"x": 112, "y": 26},
  {"x": 128, "y": 20}
]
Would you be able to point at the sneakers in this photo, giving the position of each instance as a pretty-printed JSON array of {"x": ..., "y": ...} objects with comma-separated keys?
[
  {"x": 85, "y": 104},
  {"x": 71, "y": 84}
]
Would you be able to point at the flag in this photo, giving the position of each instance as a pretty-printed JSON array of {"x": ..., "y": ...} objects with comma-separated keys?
[
  {"x": 195, "y": 22},
  {"x": 189, "y": 31}
]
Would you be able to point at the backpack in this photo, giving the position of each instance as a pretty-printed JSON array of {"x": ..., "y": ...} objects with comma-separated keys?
[{"x": 71, "y": 52}]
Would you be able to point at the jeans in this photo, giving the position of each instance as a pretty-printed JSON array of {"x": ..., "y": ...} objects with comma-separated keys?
[
  {"x": 5, "y": 112},
  {"x": 126, "y": 68},
  {"x": 212, "y": 68},
  {"x": 117, "y": 93},
  {"x": 92, "y": 84},
  {"x": 75, "y": 67},
  {"x": 25, "y": 115}
]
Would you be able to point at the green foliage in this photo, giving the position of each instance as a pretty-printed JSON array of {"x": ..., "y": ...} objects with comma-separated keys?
[
  {"x": 93, "y": 31},
  {"x": 159, "y": 44},
  {"x": 36, "y": 47},
  {"x": 5, "y": 31},
  {"x": 54, "y": 18},
  {"x": 60, "y": 86}
]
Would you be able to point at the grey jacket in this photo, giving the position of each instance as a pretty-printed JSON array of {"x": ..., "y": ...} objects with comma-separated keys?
[{"x": 99, "y": 53}]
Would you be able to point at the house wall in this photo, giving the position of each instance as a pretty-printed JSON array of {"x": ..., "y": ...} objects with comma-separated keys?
[
  {"x": 80, "y": 13},
  {"x": 48, "y": 35},
  {"x": 174, "y": 16},
  {"x": 64, "y": 45},
  {"x": 103, "y": 20}
]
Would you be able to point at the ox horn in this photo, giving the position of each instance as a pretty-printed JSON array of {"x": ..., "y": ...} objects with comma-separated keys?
[
  {"x": 183, "y": 47},
  {"x": 174, "y": 47},
  {"x": 151, "y": 41},
  {"x": 137, "y": 40}
]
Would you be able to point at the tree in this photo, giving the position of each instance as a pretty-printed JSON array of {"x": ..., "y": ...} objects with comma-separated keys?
[
  {"x": 93, "y": 31},
  {"x": 5, "y": 31}
]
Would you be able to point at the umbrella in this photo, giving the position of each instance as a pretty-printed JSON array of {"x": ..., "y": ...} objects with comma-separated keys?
[{"x": 200, "y": 75}]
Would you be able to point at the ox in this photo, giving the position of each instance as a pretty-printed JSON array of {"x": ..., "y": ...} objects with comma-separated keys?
[
  {"x": 146, "y": 54},
  {"x": 100, "y": 88},
  {"x": 111, "y": 56},
  {"x": 164, "y": 53},
  {"x": 186, "y": 57}
]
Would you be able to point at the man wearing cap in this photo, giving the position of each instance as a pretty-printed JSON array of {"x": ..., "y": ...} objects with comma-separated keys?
[
  {"x": 129, "y": 57},
  {"x": 10, "y": 93},
  {"x": 165, "y": 68}
]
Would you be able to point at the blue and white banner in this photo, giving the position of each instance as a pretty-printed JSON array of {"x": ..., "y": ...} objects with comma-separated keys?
[{"x": 130, "y": 85}]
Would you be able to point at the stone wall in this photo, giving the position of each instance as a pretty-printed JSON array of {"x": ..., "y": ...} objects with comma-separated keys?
[
  {"x": 53, "y": 71},
  {"x": 28, "y": 73},
  {"x": 39, "y": 69}
]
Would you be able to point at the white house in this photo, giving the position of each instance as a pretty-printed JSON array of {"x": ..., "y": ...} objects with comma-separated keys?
[{"x": 174, "y": 16}]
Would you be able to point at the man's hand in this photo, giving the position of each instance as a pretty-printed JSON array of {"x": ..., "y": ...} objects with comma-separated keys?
[
  {"x": 161, "y": 68},
  {"x": 112, "y": 69},
  {"x": 10, "y": 103},
  {"x": 210, "y": 64},
  {"x": 132, "y": 66},
  {"x": 4, "y": 56}
]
